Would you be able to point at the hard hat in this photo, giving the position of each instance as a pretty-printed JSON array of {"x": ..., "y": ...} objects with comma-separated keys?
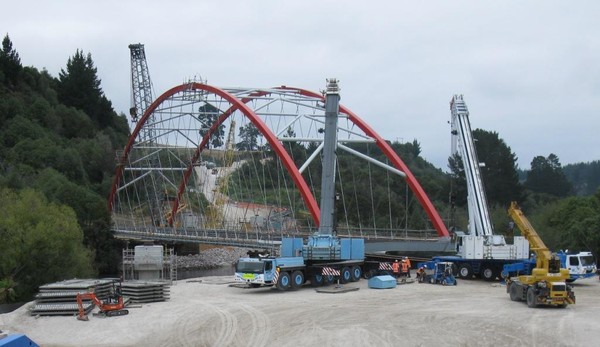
[{"x": 396, "y": 261}]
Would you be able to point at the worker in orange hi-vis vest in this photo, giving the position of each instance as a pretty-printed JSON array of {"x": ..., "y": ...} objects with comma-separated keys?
[
  {"x": 404, "y": 268},
  {"x": 396, "y": 268},
  {"x": 409, "y": 265},
  {"x": 421, "y": 274}
]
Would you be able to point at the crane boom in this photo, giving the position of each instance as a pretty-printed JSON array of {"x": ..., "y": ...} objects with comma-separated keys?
[
  {"x": 463, "y": 144},
  {"x": 543, "y": 254}
]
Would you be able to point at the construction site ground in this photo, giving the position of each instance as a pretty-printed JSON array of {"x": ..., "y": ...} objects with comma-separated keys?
[{"x": 212, "y": 311}]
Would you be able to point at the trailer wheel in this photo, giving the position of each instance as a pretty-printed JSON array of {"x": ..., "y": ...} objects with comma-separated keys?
[
  {"x": 316, "y": 280},
  {"x": 514, "y": 292},
  {"x": 283, "y": 283},
  {"x": 531, "y": 298},
  {"x": 297, "y": 279},
  {"x": 356, "y": 273},
  {"x": 488, "y": 273},
  {"x": 369, "y": 274},
  {"x": 465, "y": 271},
  {"x": 345, "y": 275},
  {"x": 329, "y": 279}
]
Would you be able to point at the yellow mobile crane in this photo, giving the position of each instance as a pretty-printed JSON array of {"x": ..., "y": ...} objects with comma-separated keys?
[{"x": 547, "y": 283}]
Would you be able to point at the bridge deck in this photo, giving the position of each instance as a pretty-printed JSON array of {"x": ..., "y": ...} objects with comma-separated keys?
[{"x": 376, "y": 240}]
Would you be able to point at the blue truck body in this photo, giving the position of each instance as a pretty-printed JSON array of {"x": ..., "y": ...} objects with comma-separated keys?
[
  {"x": 322, "y": 260},
  {"x": 488, "y": 269}
]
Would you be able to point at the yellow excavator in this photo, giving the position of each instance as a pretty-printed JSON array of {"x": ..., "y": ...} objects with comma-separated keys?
[{"x": 547, "y": 284}]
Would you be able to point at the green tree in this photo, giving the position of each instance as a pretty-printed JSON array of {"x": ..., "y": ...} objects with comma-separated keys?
[
  {"x": 18, "y": 129},
  {"x": 546, "y": 176},
  {"x": 90, "y": 209},
  {"x": 10, "y": 63},
  {"x": 79, "y": 87},
  {"x": 249, "y": 138},
  {"x": 36, "y": 232},
  {"x": 208, "y": 115},
  {"x": 499, "y": 175},
  {"x": 585, "y": 177},
  {"x": 415, "y": 148},
  {"x": 75, "y": 122},
  {"x": 574, "y": 224},
  {"x": 500, "y": 171}
]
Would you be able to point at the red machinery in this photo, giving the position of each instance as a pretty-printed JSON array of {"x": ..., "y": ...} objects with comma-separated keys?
[{"x": 111, "y": 308}]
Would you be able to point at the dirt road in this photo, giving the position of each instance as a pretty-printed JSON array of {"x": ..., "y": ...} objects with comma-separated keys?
[{"x": 214, "y": 313}]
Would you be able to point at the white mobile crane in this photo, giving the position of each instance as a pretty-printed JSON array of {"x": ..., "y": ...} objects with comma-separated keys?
[{"x": 479, "y": 251}]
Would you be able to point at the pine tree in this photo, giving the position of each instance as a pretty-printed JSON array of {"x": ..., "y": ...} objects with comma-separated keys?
[
  {"x": 79, "y": 87},
  {"x": 10, "y": 63},
  {"x": 249, "y": 138},
  {"x": 547, "y": 176}
]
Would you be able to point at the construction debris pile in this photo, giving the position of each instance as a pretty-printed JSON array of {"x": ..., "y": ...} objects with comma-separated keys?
[{"x": 211, "y": 258}]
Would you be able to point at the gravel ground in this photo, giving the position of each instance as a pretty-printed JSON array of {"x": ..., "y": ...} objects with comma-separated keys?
[{"x": 215, "y": 312}]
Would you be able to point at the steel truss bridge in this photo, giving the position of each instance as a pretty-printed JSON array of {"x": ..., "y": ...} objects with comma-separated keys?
[{"x": 181, "y": 178}]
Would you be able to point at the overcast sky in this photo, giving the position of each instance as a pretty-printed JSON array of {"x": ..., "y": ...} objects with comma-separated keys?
[{"x": 529, "y": 70}]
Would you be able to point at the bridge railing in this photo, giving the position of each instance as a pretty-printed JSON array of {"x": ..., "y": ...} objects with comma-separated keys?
[{"x": 244, "y": 235}]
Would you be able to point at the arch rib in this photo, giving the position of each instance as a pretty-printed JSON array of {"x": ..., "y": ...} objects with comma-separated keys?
[
  {"x": 276, "y": 145},
  {"x": 414, "y": 185},
  {"x": 236, "y": 105}
]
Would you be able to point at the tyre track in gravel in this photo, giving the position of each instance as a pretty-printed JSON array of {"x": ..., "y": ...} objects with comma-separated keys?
[
  {"x": 223, "y": 331},
  {"x": 222, "y": 324},
  {"x": 259, "y": 326}
]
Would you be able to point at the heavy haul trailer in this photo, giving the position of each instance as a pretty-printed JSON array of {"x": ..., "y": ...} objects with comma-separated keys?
[
  {"x": 478, "y": 258},
  {"x": 321, "y": 261}
]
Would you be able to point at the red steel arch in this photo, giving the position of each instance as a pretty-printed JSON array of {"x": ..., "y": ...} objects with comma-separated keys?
[
  {"x": 394, "y": 158},
  {"x": 238, "y": 104}
]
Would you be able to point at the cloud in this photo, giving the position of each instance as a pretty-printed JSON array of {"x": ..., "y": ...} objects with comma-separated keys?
[{"x": 528, "y": 70}]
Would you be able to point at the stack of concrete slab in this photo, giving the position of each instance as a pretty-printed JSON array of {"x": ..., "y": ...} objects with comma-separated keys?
[
  {"x": 60, "y": 298},
  {"x": 145, "y": 291}
]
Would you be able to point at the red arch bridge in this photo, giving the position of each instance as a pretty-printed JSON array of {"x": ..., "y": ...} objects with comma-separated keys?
[{"x": 241, "y": 166}]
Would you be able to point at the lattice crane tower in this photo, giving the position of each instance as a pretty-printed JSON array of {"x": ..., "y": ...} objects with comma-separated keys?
[
  {"x": 141, "y": 86},
  {"x": 141, "y": 99}
]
